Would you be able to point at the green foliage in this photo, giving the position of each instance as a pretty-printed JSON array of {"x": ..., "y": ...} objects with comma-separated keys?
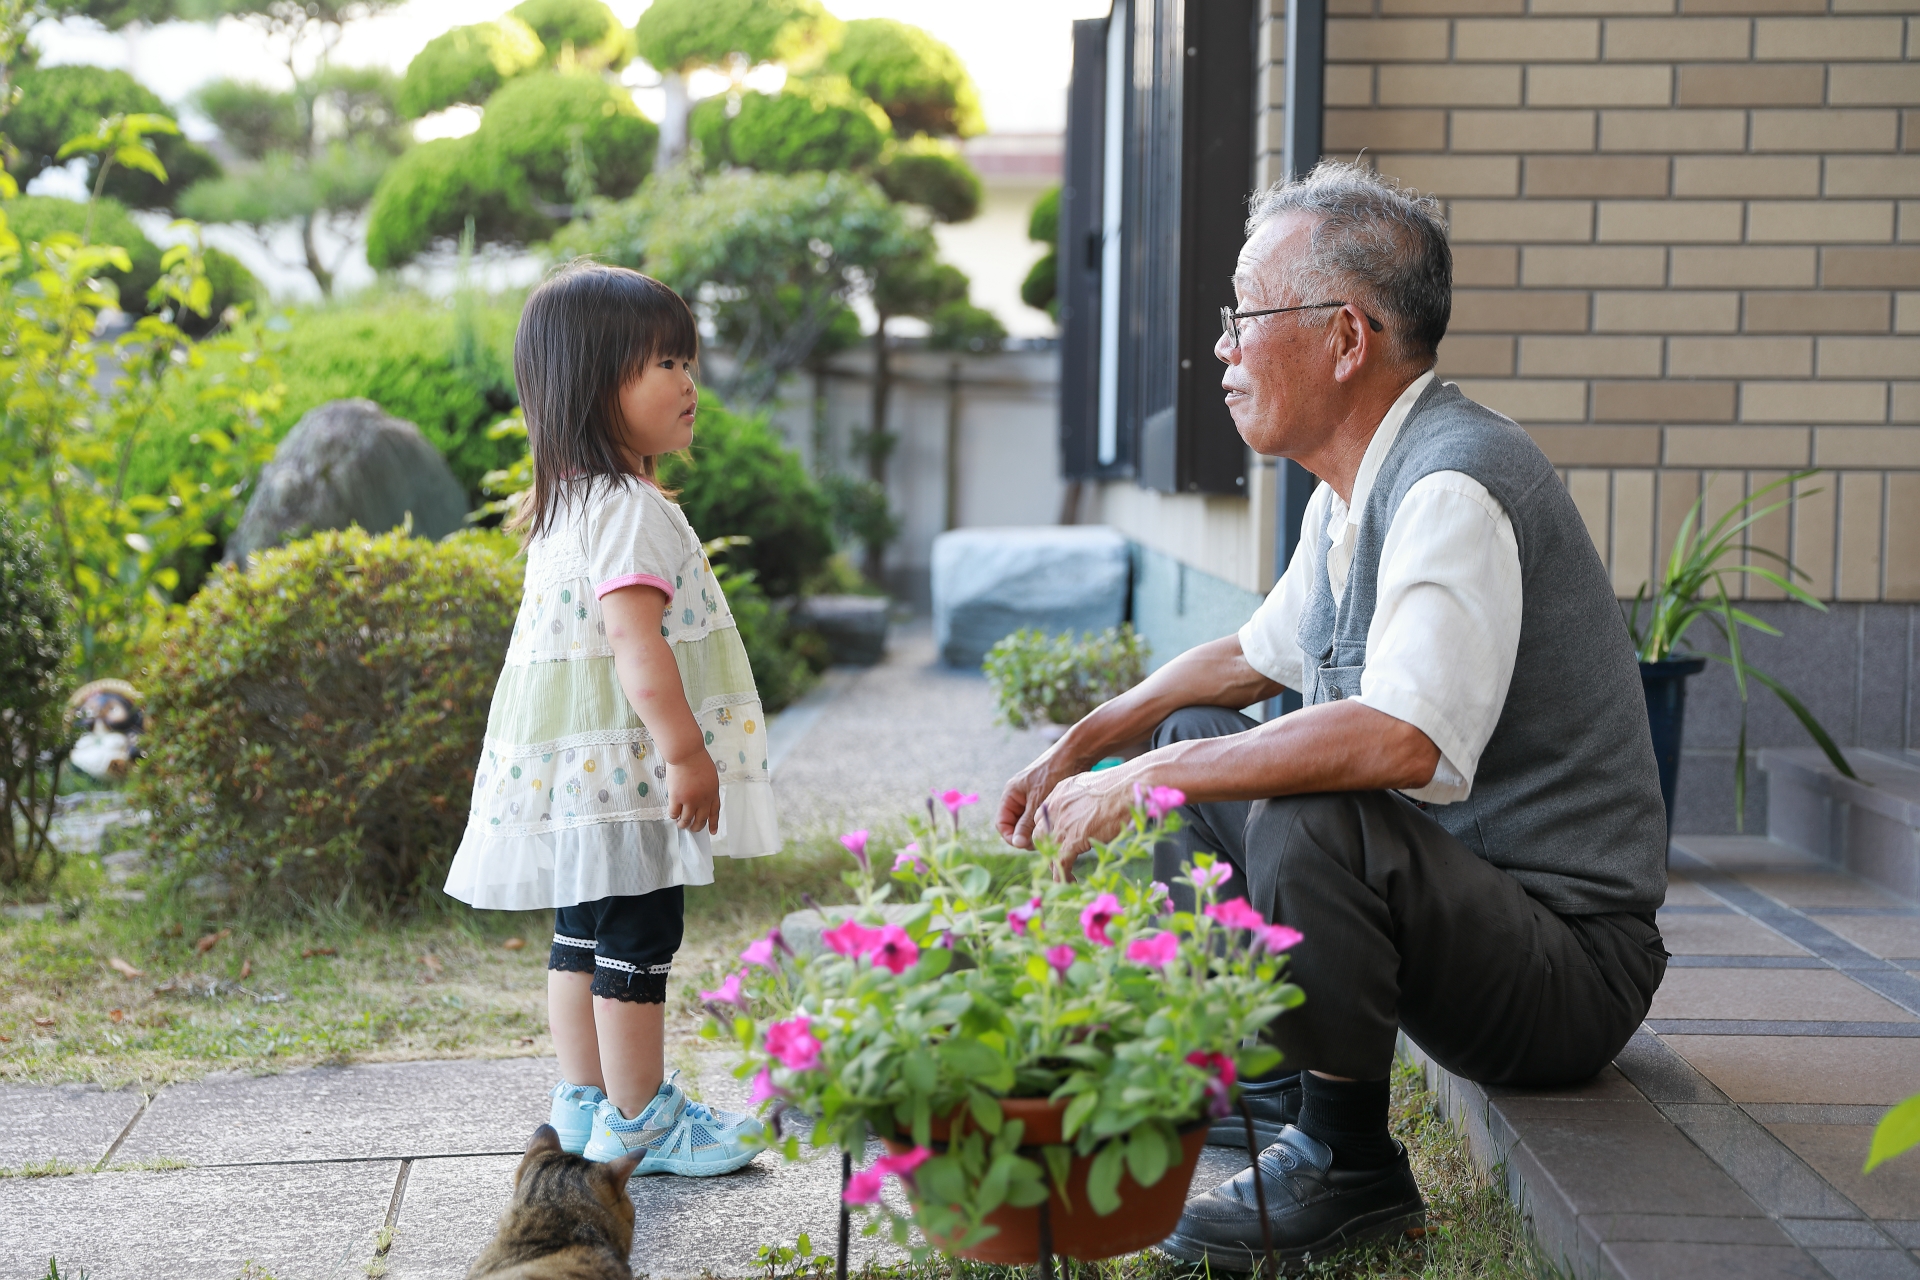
[
  {"x": 1137, "y": 1019},
  {"x": 317, "y": 718},
  {"x": 961, "y": 326},
  {"x": 816, "y": 123},
  {"x": 771, "y": 260},
  {"x": 37, "y": 217},
  {"x": 918, "y": 81},
  {"x": 861, "y": 513},
  {"x": 684, "y": 35},
  {"x": 510, "y": 176},
  {"x": 1043, "y": 224},
  {"x": 36, "y": 642},
  {"x": 401, "y": 352},
  {"x": 780, "y": 672},
  {"x": 930, "y": 172},
  {"x": 1041, "y": 679},
  {"x": 740, "y": 480},
  {"x": 76, "y": 408},
  {"x": 467, "y": 64},
  {"x": 1695, "y": 586},
  {"x": 58, "y": 103},
  {"x": 1898, "y": 1132},
  {"x": 253, "y": 119},
  {"x": 587, "y": 27},
  {"x": 917, "y": 283},
  {"x": 1040, "y": 290}
]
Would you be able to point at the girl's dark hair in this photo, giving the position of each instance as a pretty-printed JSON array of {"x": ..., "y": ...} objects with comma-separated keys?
[{"x": 586, "y": 332}]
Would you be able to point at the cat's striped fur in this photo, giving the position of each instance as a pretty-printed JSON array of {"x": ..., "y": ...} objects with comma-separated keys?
[{"x": 570, "y": 1219}]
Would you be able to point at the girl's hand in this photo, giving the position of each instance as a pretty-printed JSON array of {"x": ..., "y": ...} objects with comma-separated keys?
[{"x": 693, "y": 793}]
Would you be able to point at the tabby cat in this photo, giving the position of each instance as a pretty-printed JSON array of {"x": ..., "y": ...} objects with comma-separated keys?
[{"x": 570, "y": 1219}]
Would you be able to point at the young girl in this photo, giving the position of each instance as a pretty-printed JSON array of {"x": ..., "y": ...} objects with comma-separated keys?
[{"x": 626, "y": 744}]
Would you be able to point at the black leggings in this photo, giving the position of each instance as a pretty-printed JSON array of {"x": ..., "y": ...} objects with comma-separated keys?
[{"x": 626, "y": 943}]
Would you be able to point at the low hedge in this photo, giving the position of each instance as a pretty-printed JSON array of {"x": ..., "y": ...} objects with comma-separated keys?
[{"x": 314, "y": 722}]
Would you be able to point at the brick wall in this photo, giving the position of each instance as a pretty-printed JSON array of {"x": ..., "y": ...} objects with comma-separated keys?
[{"x": 1687, "y": 248}]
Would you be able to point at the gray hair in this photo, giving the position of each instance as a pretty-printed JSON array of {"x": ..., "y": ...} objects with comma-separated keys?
[{"x": 1375, "y": 243}]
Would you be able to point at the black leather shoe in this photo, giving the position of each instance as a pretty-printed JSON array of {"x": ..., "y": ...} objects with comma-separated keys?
[
  {"x": 1314, "y": 1209},
  {"x": 1274, "y": 1104}
]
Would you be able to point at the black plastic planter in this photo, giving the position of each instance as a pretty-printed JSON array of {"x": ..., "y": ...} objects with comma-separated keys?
[{"x": 1666, "y": 687}]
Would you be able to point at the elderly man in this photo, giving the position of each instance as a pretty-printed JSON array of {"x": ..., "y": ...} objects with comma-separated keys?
[{"x": 1465, "y": 819}]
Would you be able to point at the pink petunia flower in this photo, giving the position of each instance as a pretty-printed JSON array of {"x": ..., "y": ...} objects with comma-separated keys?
[
  {"x": 850, "y": 938},
  {"x": 760, "y": 952},
  {"x": 1156, "y": 952},
  {"x": 904, "y": 1163},
  {"x": 793, "y": 1043},
  {"x": 856, "y": 844},
  {"x": 864, "y": 1187},
  {"x": 763, "y": 1088},
  {"x": 895, "y": 951},
  {"x": 1097, "y": 915},
  {"x": 908, "y": 859},
  {"x": 728, "y": 992},
  {"x": 1162, "y": 801},
  {"x": 1278, "y": 937},
  {"x": 1214, "y": 876},
  {"x": 1020, "y": 917},
  {"x": 1061, "y": 958},
  {"x": 955, "y": 802},
  {"x": 1236, "y": 914},
  {"x": 1219, "y": 1087},
  {"x": 1163, "y": 896}
]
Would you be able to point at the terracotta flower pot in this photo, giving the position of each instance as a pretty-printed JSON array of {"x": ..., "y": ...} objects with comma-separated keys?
[{"x": 1146, "y": 1216}]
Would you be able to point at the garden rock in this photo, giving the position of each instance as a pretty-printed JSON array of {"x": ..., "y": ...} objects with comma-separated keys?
[
  {"x": 349, "y": 462},
  {"x": 854, "y": 627},
  {"x": 989, "y": 583}
]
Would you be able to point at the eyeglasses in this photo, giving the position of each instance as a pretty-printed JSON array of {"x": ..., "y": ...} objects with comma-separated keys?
[{"x": 1230, "y": 319}]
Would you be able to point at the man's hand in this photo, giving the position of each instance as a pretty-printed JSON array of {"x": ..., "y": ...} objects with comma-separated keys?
[
  {"x": 1082, "y": 809},
  {"x": 1028, "y": 791}
]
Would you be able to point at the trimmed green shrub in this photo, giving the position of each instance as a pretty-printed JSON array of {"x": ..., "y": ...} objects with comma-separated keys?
[
  {"x": 37, "y": 217},
  {"x": 529, "y": 125},
  {"x": 930, "y": 171},
  {"x": 961, "y": 326},
  {"x": 467, "y": 64},
  {"x": 679, "y": 35},
  {"x": 1040, "y": 290},
  {"x": 918, "y": 81},
  {"x": 597, "y": 37},
  {"x": 60, "y": 103},
  {"x": 316, "y": 720},
  {"x": 1041, "y": 679},
  {"x": 739, "y": 479},
  {"x": 36, "y": 643},
  {"x": 428, "y": 193},
  {"x": 814, "y": 124}
]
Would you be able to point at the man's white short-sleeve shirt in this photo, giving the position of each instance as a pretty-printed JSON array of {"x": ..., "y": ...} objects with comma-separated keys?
[{"x": 1446, "y": 617}]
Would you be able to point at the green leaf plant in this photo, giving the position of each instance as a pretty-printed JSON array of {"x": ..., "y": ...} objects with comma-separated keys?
[
  {"x": 1898, "y": 1132},
  {"x": 1091, "y": 991},
  {"x": 74, "y": 404},
  {"x": 1702, "y": 582}
]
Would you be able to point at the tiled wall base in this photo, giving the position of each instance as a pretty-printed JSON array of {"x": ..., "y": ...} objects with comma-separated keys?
[{"x": 1870, "y": 826}]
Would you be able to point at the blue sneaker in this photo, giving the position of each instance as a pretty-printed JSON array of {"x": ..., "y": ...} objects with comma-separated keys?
[
  {"x": 676, "y": 1135},
  {"x": 572, "y": 1114}
]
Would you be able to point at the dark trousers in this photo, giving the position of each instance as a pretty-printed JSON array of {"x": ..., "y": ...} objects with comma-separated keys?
[{"x": 1406, "y": 927}]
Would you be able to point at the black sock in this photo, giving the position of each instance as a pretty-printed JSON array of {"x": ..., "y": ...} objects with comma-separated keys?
[{"x": 1350, "y": 1116}]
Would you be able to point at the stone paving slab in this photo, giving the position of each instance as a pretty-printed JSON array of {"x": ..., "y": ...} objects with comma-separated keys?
[
  {"x": 389, "y": 1110},
  {"x": 70, "y": 1123},
  {"x": 299, "y": 1222}
]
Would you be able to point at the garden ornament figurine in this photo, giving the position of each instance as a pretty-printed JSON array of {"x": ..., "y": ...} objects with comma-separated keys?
[
  {"x": 108, "y": 714},
  {"x": 1464, "y": 821}
]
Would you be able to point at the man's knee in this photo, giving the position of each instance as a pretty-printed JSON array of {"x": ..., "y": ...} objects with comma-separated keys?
[
  {"x": 1307, "y": 840},
  {"x": 1191, "y": 723}
]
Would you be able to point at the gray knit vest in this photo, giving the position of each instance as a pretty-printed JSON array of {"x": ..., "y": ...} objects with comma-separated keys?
[{"x": 1566, "y": 797}]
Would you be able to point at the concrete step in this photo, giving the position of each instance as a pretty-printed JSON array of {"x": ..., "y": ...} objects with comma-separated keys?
[{"x": 1870, "y": 825}]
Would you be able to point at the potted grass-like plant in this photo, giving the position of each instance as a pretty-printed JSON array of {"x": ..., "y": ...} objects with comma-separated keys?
[
  {"x": 1042, "y": 1060},
  {"x": 1702, "y": 582}
]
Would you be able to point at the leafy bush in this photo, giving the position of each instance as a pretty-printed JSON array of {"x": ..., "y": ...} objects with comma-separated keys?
[
  {"x": 1042, "y": 679},
  {"x": 597, "y": 37},
  {"x": 428, "y": 193},
  {"x": 58, "y": 103},
  {"x": 679, "y": 35},
  {"x": 1040, "y": 289},
  {"x": 815, "y": 124},
  {"x": 781, "y": 671},
  {"x": 37, "y": 217},
  {"x": 467, "y": 64},
  {"x": 316, "y": 720},
  {"x": 36, "y": 638},
  {"x": 961, "y": 326},
  {"x": 930, "y": 172},
  {"x": 740, "y": 480},
  {"x": 918, "y": 81}
]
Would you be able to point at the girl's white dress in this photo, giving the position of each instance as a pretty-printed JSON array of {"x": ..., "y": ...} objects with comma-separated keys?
[{"x": 569, "y": 798}]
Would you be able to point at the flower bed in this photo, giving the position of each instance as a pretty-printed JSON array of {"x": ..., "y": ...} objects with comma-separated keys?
[{"x": 1093, "y": 993}]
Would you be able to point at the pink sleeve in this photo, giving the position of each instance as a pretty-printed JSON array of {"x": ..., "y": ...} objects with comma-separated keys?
[{"x": 601, "y": 589}]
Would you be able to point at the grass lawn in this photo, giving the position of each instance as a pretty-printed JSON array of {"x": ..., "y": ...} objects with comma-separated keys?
[{"x": 219, "y": 991}]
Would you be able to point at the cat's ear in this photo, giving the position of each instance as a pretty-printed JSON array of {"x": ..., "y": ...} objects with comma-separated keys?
[
  {"x": 545, "y": 1138},
  {"x": 618, "y": 1171}
]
